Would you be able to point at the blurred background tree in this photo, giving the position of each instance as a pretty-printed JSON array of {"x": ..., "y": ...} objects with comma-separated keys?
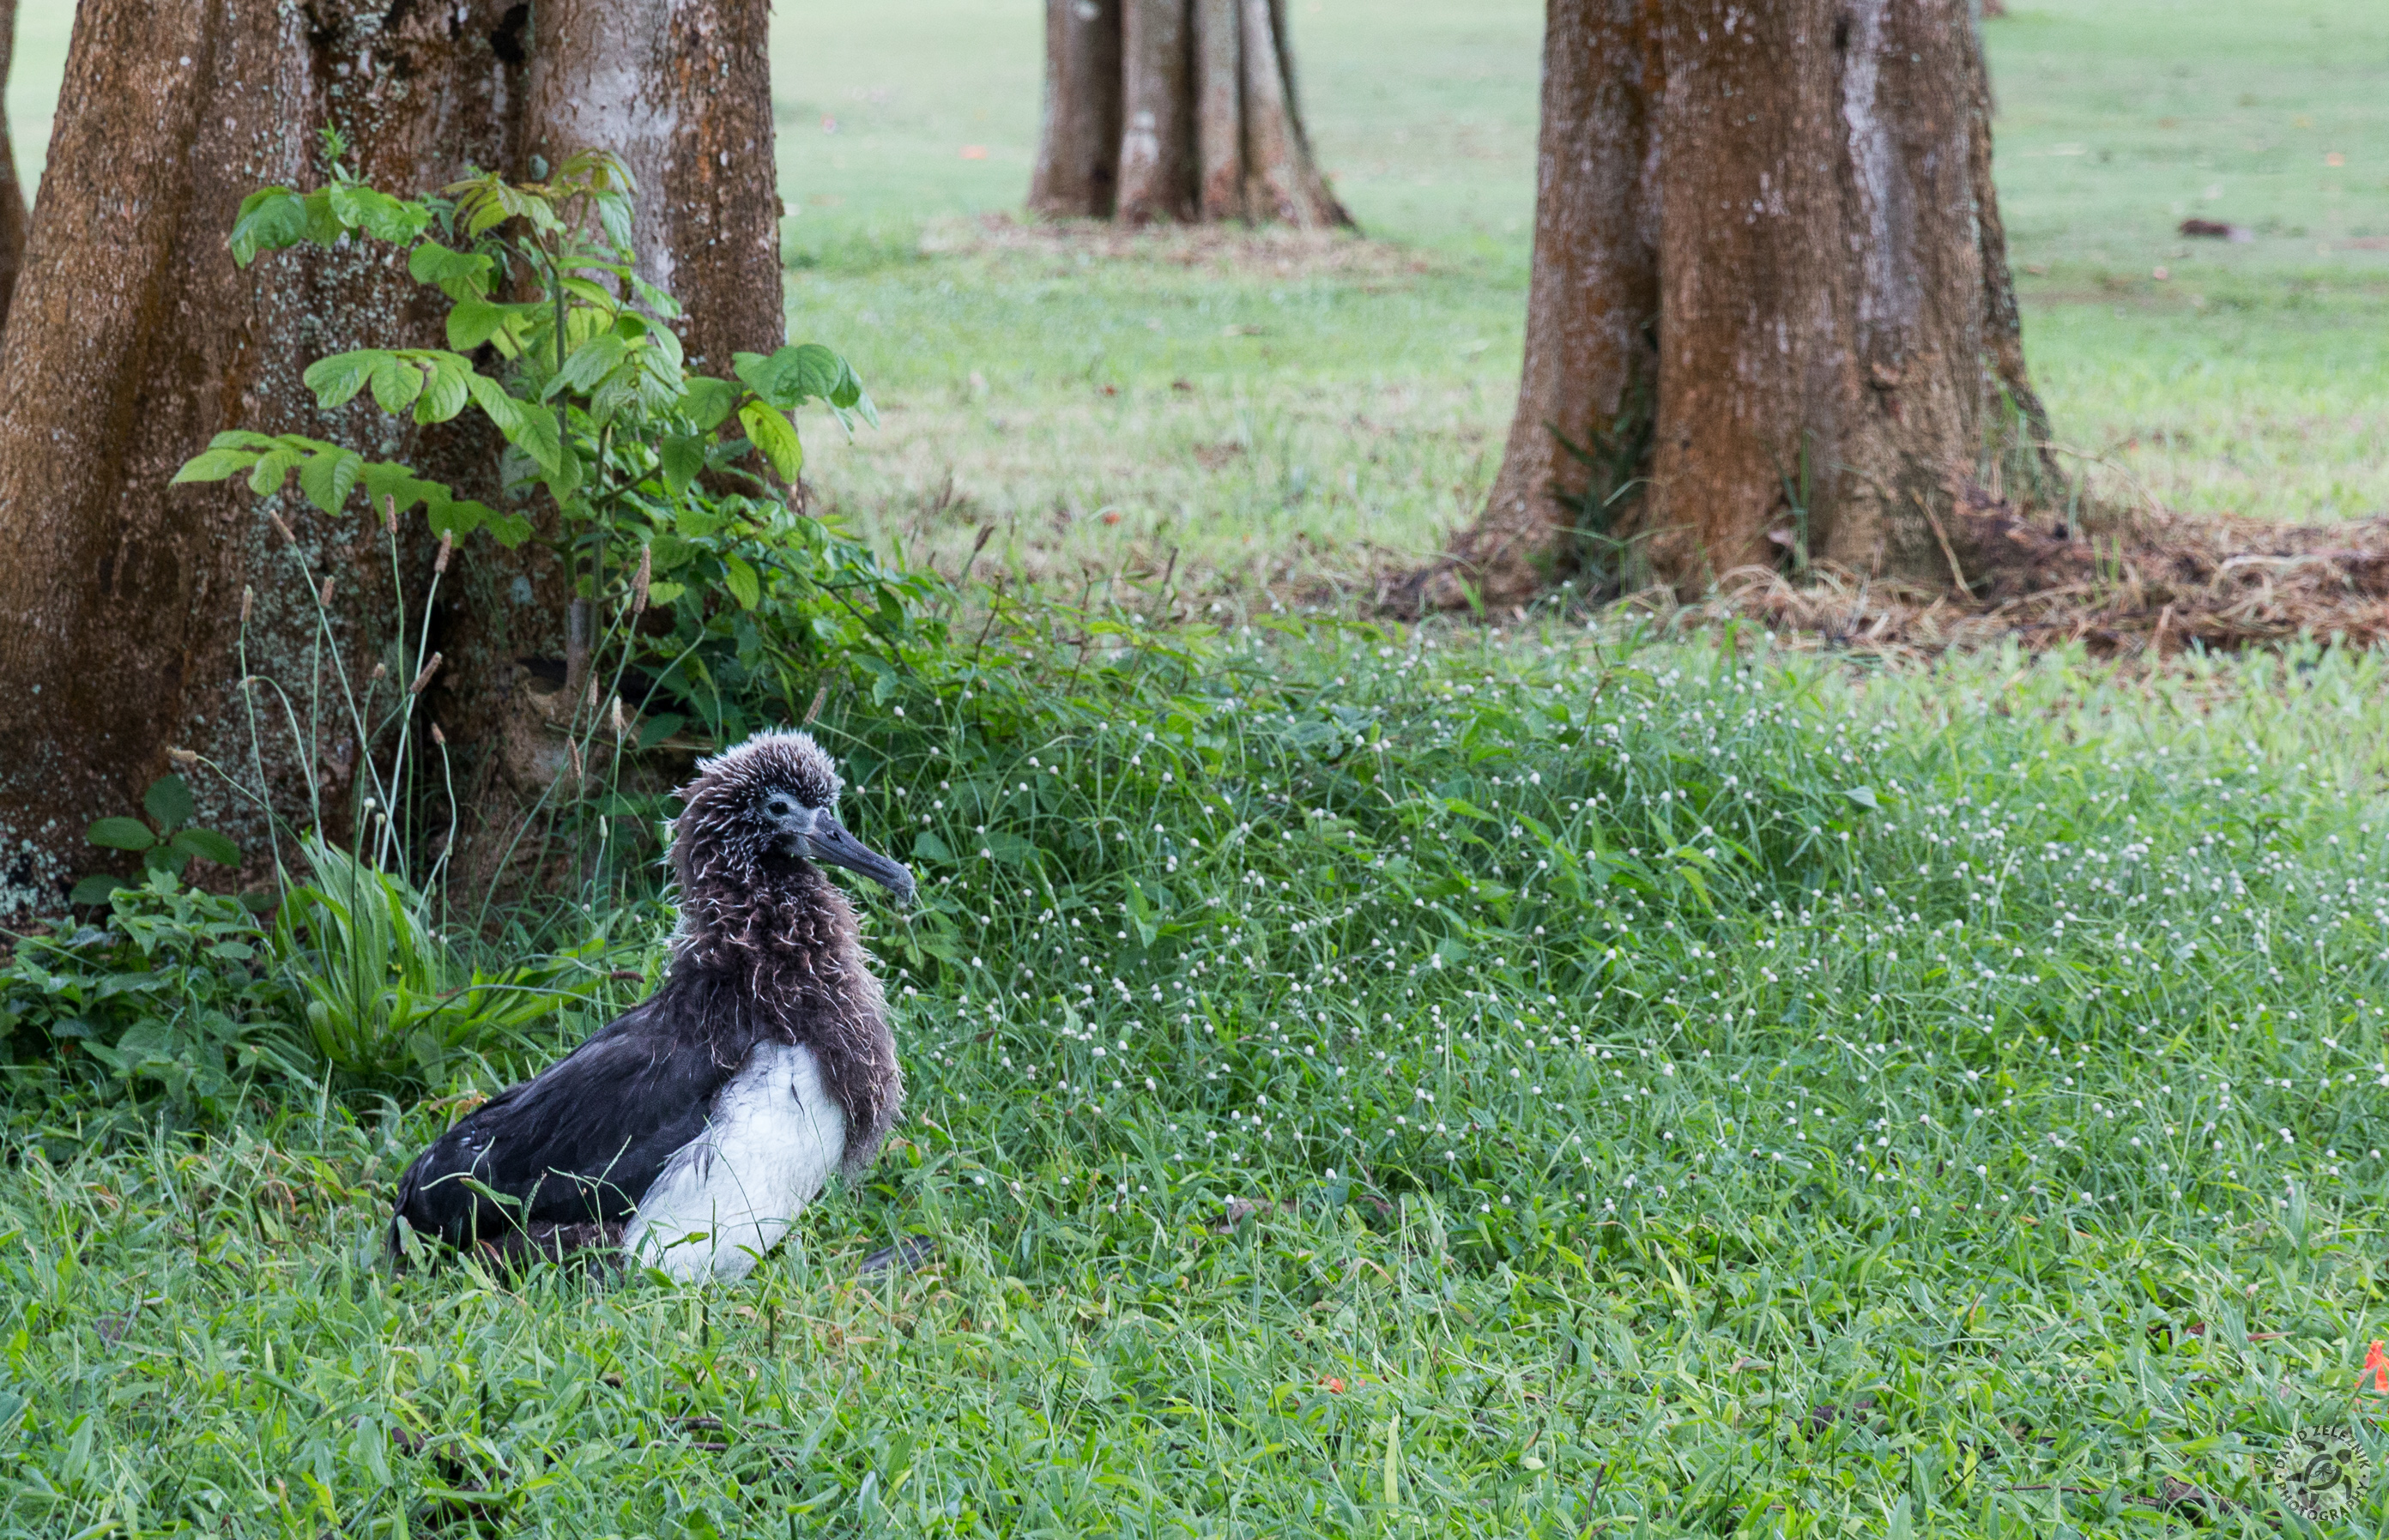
[{"x": 1177, "y": 109}]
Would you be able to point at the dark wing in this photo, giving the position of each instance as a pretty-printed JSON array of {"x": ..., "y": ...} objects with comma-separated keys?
[{"x": 579, "y": 1144}]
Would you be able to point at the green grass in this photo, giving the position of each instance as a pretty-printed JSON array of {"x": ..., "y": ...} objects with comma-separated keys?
[
  {"x": 1418, "y": 1082},
  {"x": 1310, "y": 428},
  {"x": 1594, "y": 1059},
  {"x": 2251, "y": 380}
]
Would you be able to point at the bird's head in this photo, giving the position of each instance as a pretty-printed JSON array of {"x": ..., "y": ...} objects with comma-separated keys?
[{"x": 774, "y": 796}]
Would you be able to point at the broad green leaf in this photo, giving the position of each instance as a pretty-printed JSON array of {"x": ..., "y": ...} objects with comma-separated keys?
[
  {"x": 323, "y": 227},
  {"x": 565, "y": 480},
  {"x": 96, "y": 888},
  {"x": 683, "y": 457},
  {"x": 445, "y": 393},
  {"x": 1009, "y": 849},
  {"x": 595, "y": 295},
  {"x": 928, "y": 846},
  {"x": 534, "y": 432},
  {"x": 707, "y": 402},
  {"x": 270, "y": 217},
  {"x": 655, "y": 299},
  {"x": 272, "y": 469},
  {"x": 776, "y": 437},
  {"x": 846, "y": 391},
  {"x": 216, "y": 465},
  {"x": 614, "y": 215},
  {"x": 338, "y": 378},
  {"x": 648, "y": 379},
  {"x": 665, "y": 341},
  {"x": 120, "y": 833},
  {"x": 456, "y": 517},
  {"x": 815, "y": 370},
  {"x": 474, "y": 322},
  {"x": 757, "y": 372},
  {"x": 601, "y": 169},
  {"x": 508, "y": 529},
  {"x": 208, "y": 845},
  {"x": 377, "y": 213},
  {"x": 387, "y": 478},
  {"x": 742, "y": 582},
  {"x": 620, "y": 389},
  {"x": 587, "y": 364},
  {"x": 241, "y": 438},
  {"x": 169, "y": 801},
  {"x": 660, "y": 375},
  {"x": 793, "y": 376},
  {"x": 660, "y": 594},
  {"x": 396, "y": 382},
  {"x": 461, "y": 275},
  {"x": 348, "y": 201},
  {"x": 328, "y": 479},
  {"x": 484, "y": 202},
  {"x": 503, "y": 410}
]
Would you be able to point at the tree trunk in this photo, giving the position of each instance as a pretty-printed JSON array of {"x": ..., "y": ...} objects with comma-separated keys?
[
  {"x": 1769, "y": 319},
  {"x": 1220, "y": 107},
  {"x": 12, "y": 194},
  {"x": 1157, "y": 149},
  {"x": 126, "y": 605},
  {"x": 1176, "y": 109},
  {"x": 682, "y": 92},
  {"x": 1078, "y": 153}
]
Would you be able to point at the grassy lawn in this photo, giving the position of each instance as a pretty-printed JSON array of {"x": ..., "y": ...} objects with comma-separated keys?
[
  {"x": 1358, "y": 409},
  {"x": 1392, "y": 1082},
  {"x": 1389, "y": 1086}
]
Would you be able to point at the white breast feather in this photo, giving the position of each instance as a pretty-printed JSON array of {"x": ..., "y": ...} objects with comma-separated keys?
[{"x": 727, "y": 1196}]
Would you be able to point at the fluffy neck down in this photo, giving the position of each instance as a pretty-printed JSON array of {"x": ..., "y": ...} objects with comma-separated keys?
[{"x": 774, "y": 955}]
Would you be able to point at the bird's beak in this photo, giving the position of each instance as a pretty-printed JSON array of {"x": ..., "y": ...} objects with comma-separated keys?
[{"x": 830, "y": 843}]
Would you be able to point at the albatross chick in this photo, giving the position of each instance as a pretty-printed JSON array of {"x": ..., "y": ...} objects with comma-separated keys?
[{"x": 689, "y": 1133}]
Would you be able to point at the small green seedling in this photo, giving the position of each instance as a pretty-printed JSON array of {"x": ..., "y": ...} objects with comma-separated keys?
[{"x": 165, "y": 843}]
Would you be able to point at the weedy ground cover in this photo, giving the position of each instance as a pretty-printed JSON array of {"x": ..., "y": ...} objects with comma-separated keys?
[{"x": 1391, "y": 1082}]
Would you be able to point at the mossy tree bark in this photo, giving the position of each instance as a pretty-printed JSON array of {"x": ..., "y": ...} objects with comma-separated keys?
[
  {"x": 1769, "y": 319},
  {"x": 134, "y": 338},
  {"x": 1174, "y": 109}
]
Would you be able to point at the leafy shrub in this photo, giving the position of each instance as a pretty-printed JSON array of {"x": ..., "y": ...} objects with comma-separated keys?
[
  {"x": 658, "y": 473},
  {"x": 185, "y": 993},
  {"x": 384, "y": 999},
  {"x": 175, "y": 993}
]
